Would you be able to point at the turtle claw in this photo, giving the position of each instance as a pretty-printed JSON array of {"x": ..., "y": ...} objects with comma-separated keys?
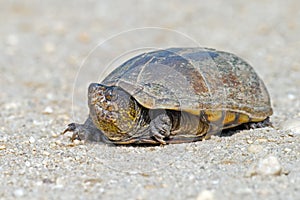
[
  {"x": 160, "y": 127},
  {"x": 71, "y": 128},
  {"x": 75, "y": 129},
  {"x": 159, "y": 137}
]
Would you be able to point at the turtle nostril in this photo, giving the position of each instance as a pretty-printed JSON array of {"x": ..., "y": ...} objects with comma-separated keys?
[
  {"x": 96, "y": 88},
  {"x": 93, "y": 87}
]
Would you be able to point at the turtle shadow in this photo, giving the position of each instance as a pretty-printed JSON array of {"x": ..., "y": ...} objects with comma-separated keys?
[
  {"x": 232, "y": 131},
  {"x": 247, "y": 126}
]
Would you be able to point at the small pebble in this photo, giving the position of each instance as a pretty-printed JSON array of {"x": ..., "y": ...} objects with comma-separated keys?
[
  {"x": 45, "y": 162},
  {"x": 253, "y": 148},
  {"x": 2, "y": 147},
  {"x": 12, "y": 40},
  {"x": 27, "y": 164},
  {"x": 3, "y": 138},
  {"x": 11, "y": 106},
  {"x": 77, "y": 142},
  {"x": 35, "y": 122},
  {"x": 84, "y": 37},
  {"x": 59, "y": 28},
  {"x": 291, "y": 96},
  {"x": 269, "y": 166},
  {"x": 206, "y": 195},
  {"x": 60, "y": 182},
  {"x": 292, "y": 125},
  {"x": 261, "y": 140},
  {"x": 48, "y": 110},
  {"x": 46, "y": 153},
  {"x": 55, "y": 134},
  {"x": 50, "y": 96},
  {"x": 49, "y": 47},
  {"x": 31, "y": 140},
  {"x": 52, "y": 145},
  {"x": 58, "y": 142},
  {"x": 249, "y": 141},
  {"x": 19, "y": 192}
]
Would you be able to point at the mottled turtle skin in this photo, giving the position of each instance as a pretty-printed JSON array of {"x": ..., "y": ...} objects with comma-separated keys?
[{"x": 174, "y": 95}]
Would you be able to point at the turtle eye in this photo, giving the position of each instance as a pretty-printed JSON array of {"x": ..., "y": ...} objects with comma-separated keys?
[{"x": 111, "y": 95}]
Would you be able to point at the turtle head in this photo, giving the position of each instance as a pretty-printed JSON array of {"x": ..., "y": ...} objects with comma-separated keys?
[{"x": 113, "y": 110}]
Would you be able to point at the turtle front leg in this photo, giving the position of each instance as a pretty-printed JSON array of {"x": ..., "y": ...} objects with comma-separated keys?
[
  {"x": 160, "y": 127},
  {"x": 86, "y": 131}
]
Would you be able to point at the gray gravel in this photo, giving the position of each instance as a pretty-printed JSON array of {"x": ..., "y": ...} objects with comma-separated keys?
[{"x": 43, "y": 46}]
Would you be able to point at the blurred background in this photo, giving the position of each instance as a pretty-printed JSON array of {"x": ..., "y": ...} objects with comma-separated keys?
[{"x": 45, "y": 42}]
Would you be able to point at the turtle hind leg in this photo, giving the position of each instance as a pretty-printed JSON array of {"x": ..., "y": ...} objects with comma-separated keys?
[{"x": 261, "y": 124}]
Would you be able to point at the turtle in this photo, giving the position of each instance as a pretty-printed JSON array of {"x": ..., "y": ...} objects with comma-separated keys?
[{"x": 174, "y": 95}]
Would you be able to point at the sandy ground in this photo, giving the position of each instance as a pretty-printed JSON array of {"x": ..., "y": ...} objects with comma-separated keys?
[{"x": 43, "y": 46}]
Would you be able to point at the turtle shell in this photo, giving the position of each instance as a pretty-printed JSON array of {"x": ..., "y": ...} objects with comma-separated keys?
[{"x": 193, "y": 80}]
